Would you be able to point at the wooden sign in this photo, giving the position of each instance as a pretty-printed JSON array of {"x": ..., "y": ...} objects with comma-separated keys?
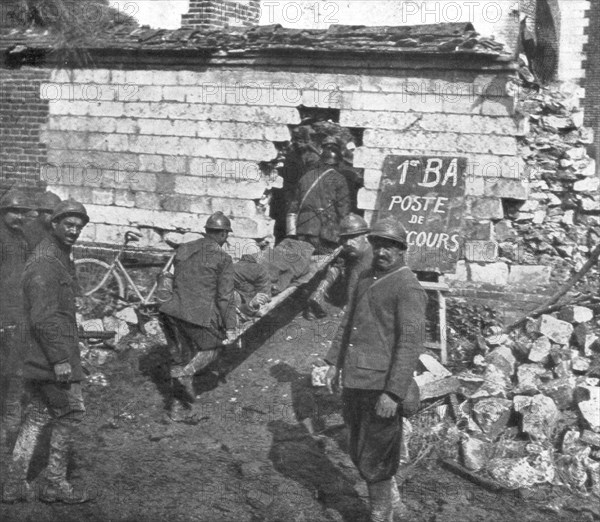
[{"x": 427, "y": 195}]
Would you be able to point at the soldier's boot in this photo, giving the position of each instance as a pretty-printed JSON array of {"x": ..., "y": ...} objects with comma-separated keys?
[
  {"x": 316, "y": 301},
  {"x": 400, "y": 511},
  {"x": 380, "y": 500},
  {"x": 58, "y": 488},
  {"x": 16, "y": 488}
]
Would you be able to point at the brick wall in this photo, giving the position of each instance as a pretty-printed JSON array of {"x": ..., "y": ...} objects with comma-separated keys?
[
  {"x": 22, "y": 115},
  {"x": 217, "y": 14}
]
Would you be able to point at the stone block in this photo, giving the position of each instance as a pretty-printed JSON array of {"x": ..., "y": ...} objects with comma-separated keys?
[
  {"x": 492, "y": 414},
  {"x": 556, "y": 330},
  {"x": 481, "y": 251},
  {"x": 176, "y": 164},
  {"x": 576, "y": 314},
  {"x": 561, "y": 391},
  {"x": 539, "y": 415},
  {"x": 124, "y": 198},
  {"x": 433, "y": 366},
  {"x": 540, "y": 350},
  {"x": 474, "y": 123},
  {"x": 139, "y": 77},
  {"x": 367, "y": 199},
  {"x": 102, "y": 196},
  {"x": 505, "y": 188},
  {"x": 460, "y": 275},
  {"x": 379, "y": 119},
  {"x": 591, "y": 438},
  {"x": 503, "y": 358},
  {"x": 106, "y": 109},
  {"x": 497, "y": 106},
  {"x": 529, "y": 379},
  {"x": 529, "y": 275},
  {"x": 218, "y": 187},
  {"x": 493, "y": 273},
  {"x": 109, "y": 234},
  {"x": 148, "y": 200},
  {"x": 590, "y": 184},
  {"x": 495, "y": 383},
  {"x": 372, "y": 179},
  {"x": 174, "y": 93},
  {"x": 585, "y": 338},
  {"x": 475, "y": 453},
  {"x": 588, "y": 403},
  {"x": 180, "y": 203},
  {"x": 485, "y": 208},
  {"x": 581, "y": 364}
]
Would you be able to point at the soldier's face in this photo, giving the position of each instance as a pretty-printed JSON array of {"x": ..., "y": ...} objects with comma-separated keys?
[
  {"x": 14, "y": 218},
  {"x": 67, "y": 230},
  {"x": 354, "y": 245},
  {"x": 386, "y": 253}
]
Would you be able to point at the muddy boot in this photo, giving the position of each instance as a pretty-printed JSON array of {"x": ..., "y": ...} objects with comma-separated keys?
[
  {"x": 58, "y": 488},
  {"x": 16, "y": 488},
  {"x": 380, "y": 500},
  {"x": 400, "y": 511}
]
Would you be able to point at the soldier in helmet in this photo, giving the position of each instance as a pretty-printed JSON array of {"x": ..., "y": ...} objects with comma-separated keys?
[
  {"x": 52, "y": 365},
  {"x": 200, "y": 316},
  {"x": 355, "y": 257},
  {"x": 321, "y": 200},
  {"x": 14, "y": 207},
  {"x": 377, "y": 347},
  {"x": 38, "y": 228}
]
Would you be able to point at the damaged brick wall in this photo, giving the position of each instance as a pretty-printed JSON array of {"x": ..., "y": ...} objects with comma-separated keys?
[{"x": 23, "y": 114}]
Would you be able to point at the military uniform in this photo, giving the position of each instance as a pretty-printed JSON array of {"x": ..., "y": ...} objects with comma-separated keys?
[
  {"x": 377, "y": 347},
  {"x": 202, "y": 307},
  {"x": 49, "y": 291},
  {"x": 321, "y": 200},
  {"x": 13, "y": 334}
]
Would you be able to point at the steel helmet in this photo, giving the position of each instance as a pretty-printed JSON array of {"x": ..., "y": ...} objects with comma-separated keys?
[
  {"x": 390, "y": 228},
  {"x": 48, "y": 201},
  {"x": 330, "y": 157},
  {"x": 218, "y": 221},
  {"x": 16, "y": 200},
  {"x": 70, "y": 207},
  {"x": 353, "y": 225}
]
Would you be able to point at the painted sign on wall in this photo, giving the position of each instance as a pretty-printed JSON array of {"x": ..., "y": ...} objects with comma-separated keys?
[{"x": 427, "y": 195}]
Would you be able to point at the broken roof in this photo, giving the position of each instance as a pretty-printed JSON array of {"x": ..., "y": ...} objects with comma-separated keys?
[{"x": 440, "y": 39}]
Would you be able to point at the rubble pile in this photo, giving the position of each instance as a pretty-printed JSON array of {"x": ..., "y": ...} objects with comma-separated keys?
[
  {"x": 559, "y": 224},
  {"x": 530, "y": 412}
]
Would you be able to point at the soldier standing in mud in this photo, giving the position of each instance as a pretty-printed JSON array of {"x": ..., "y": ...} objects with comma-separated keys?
[
  {"x": 52, "y": 365},
  {"x": 200, "y": 316},
  {"x": 321, "y": 200},
  {"x": 14, "y": 207},
  {"x": 377, "y": 347},
  {"x": 356, "y": 256}
]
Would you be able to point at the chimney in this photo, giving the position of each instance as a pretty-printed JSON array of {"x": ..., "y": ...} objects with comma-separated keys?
[{"x": 221, "y": 14}]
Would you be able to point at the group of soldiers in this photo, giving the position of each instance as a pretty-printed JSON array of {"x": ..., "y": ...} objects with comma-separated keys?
[
  {"x": 40, "y": 359},
  {"x": 373, "y": 354}
]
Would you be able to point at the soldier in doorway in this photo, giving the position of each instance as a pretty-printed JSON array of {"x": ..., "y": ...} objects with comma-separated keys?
[{"x": 321, "y": 200}]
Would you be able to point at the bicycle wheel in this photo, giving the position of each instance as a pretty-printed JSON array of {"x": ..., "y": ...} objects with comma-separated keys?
[{"x": 92, "y": 275}]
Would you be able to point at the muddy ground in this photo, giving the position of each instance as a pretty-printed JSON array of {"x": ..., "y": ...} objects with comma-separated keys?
[{"x": 250, "y": 456}]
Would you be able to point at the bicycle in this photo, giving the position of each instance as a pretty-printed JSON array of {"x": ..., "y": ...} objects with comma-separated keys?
[{"x": 94, "y": 275}]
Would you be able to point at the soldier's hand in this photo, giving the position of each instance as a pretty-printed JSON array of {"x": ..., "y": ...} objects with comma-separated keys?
[
  {"x": 332, "y": 378},
  {"x": 259, "y": 300},
  {"x": 231, "y": 335},
  {"x": 62, "y": 372},
  {"x": 386, "y": 406}
]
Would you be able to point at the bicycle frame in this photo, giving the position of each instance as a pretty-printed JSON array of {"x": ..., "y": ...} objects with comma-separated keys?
[{"x": 118, "y": 267}]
